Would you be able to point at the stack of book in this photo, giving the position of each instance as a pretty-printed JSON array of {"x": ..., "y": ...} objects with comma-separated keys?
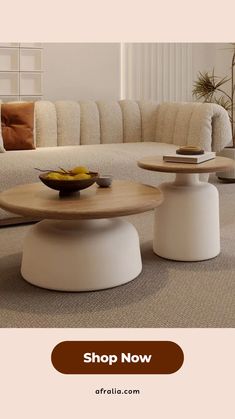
[{"x": 196, "y": 158}]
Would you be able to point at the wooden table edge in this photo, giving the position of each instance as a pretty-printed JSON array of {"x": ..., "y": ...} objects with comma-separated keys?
[
  {"x": 85, "y": 214},
  {"x": 200, "y": 168}
]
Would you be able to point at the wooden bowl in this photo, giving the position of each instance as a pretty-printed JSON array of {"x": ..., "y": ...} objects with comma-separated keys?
[{"x": 67, "y": 187}]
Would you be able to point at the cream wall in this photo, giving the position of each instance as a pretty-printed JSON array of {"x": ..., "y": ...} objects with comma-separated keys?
[
  {"x": 81, "y": 71},
  {"x": 217, "y": 56},
  {"x": 208, "y": 56},
  {"x": 203, "y": 58}
]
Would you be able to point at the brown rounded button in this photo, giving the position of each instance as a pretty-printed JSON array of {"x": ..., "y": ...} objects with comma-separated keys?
[{"x": 117, "y": 357}]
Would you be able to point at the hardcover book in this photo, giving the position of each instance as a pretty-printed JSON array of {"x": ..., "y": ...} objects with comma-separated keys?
[{"x": 180, "y": 158}]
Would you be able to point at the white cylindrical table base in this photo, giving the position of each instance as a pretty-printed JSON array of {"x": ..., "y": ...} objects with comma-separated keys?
[
  {"x": 81, "y": 255},
  {"x": 187, "y": 223}
]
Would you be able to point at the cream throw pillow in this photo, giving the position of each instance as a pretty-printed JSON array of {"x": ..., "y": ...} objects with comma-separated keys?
[{"x": 2, "y": 149}]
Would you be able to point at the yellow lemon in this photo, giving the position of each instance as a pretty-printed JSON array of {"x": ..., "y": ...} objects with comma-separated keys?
[
  {"x": 59, "y": 176},
  {"x": 53, "y": 176},
  {"x": 81, "y": 176},
  {"x": 66, "y": 177},
  {"x": 79, "y": 169}
]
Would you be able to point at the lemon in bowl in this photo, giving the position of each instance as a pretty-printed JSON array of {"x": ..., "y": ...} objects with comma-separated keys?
[{"x": 69, "y": 181}]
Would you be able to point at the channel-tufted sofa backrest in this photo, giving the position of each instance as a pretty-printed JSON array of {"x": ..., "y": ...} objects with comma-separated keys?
[
  {"x": 89, "y": 122},
  {"x": 76, "y": 123}
]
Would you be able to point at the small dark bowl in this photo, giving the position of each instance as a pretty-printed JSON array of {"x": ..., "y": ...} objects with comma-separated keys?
[{"x": 67, "y": 187}]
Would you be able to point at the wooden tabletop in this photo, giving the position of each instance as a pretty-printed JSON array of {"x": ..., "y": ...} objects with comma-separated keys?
[
  {"x": 219, "y": 164},
  {"x": 123, "y": 198}
]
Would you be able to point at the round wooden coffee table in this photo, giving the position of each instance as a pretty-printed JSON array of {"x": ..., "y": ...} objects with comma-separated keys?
[
  {"x": 82, "y": 244},
  {"x": 187, "y": 223}
]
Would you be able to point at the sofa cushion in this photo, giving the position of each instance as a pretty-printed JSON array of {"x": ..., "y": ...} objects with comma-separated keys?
[
  {"x": 148, "y": 111},
  {"x": 90, "y": 122},
  {"x": 46, "y": 124},
  {"x": 111, "y": 122},
  {"x": 131, "y": 121},
  {"x": 2, "y": 149},
  {"x": 68, "y": 122},
  {"x": 17, "y": 122}
]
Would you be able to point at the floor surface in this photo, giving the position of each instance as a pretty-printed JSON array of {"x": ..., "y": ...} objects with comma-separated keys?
[{"x": 166, "y": 293}]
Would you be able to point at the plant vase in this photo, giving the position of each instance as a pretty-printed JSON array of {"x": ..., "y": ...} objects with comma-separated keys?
[{"x": 228, "y": 176}]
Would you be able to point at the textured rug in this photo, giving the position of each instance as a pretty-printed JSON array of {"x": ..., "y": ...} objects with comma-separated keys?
[{"x": 166, "y": 293}]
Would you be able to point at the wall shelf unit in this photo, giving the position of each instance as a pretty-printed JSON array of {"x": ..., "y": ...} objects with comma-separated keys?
[
  {"x": 31, "y": 84},
  {"x": 9, "y": 83},
  {"x": 32, "y": 45},
  {"x": 30, "y": 59},
  {"x": 9, "y": 59},
  {"x": 21, "y": 71},
  {"x": 9, "y": 45}
]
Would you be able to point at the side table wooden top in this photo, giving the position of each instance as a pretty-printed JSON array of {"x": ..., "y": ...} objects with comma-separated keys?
[
  {"x": 123, "y": 198},
  {"x": 156, "y": 163}
]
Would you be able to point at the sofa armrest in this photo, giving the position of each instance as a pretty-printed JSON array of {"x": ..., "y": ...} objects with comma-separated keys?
[{"x": 203, "y": 124}]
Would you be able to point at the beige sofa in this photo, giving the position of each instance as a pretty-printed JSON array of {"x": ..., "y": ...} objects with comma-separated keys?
[{"x": 110, "y": 137}]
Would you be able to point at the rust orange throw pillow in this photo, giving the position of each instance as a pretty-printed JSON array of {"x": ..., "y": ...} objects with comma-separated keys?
[{"x": 18, "y": 125}]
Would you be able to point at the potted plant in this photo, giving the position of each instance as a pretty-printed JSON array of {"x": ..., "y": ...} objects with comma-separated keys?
[{"x": 210, "y": 88}]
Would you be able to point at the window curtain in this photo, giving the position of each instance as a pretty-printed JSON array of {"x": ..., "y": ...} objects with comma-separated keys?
[{"x": 157, "y": 71}]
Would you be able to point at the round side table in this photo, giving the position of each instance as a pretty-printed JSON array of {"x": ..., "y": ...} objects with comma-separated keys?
[
  {"x": 82, "y": 244},
  {"x": 187, "y": 223}
]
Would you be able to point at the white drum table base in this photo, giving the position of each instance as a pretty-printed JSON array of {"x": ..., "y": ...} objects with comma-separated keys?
[
  {"x": 81, "y": 255},
  {"x": 187, "y": 223}
]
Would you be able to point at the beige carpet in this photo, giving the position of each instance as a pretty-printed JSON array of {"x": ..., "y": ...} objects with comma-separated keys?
[{"x": 166, "y": 294}]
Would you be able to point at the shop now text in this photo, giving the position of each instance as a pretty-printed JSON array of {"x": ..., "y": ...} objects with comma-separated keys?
[{"x": 92, "y": 357}]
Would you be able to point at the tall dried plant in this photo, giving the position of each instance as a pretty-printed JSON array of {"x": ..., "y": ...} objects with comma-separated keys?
[{"x": 209, "y": 88}]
